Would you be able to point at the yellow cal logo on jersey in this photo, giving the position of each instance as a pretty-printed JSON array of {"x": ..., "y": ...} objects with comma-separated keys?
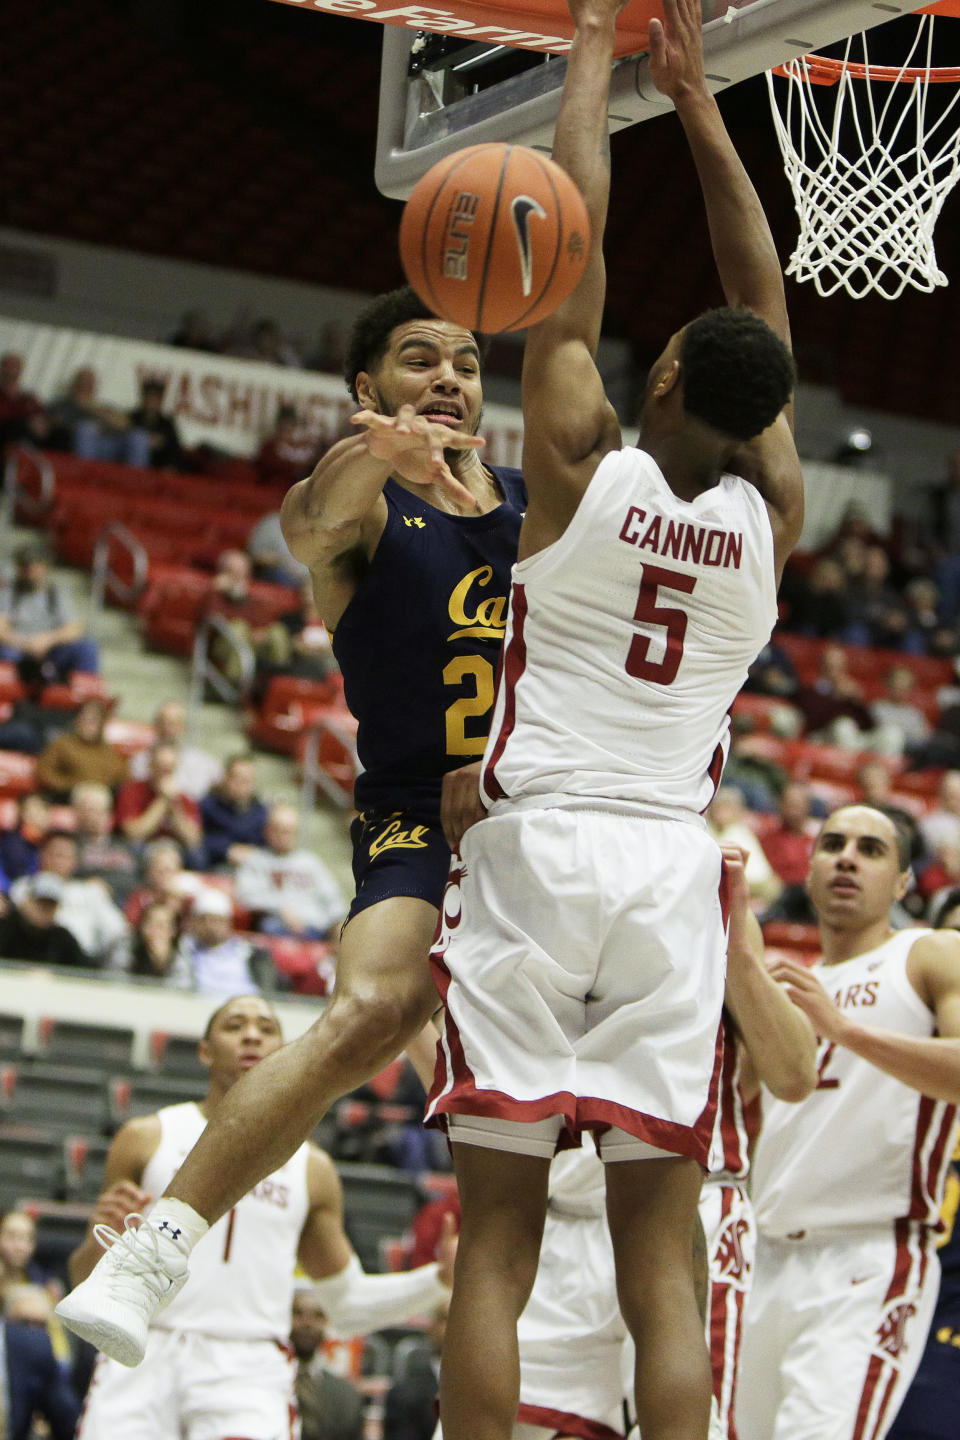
[
  {"x": 483, "y": 617},
  {"x": 394, "y": 837}
]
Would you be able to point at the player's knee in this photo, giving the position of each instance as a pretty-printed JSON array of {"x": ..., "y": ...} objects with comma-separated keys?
[{"x": 367, "y": 1023}]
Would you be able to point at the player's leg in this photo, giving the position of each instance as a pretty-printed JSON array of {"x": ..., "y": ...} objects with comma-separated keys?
[
  {"x": 237, "y": 1390},
  {"x": 503, "y": 1197},
  {"x": 652, "y": 1210}
]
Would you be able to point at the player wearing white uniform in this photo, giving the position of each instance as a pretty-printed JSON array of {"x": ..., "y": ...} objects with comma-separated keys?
[
  {"x": 220, "y": 1364},
  {"x": 571, "y": 1333},
  {"x": 847, "y": 1186},
  {"x": 582, "y": 954}
]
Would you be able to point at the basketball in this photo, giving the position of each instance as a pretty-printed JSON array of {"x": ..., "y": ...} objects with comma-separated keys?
[{"x": 495, "y": 237}]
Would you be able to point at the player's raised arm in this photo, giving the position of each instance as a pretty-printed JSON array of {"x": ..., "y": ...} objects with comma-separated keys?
[
  {"x": 779, "y": 1040},
  {"x": 568, "y": 422},
  {"x": 743, "y": 248}
]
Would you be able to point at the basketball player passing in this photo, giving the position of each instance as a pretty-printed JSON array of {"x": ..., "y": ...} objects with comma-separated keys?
[
  {"x": 581, "y": 956},
  {"x": 218, "y": 1357}
]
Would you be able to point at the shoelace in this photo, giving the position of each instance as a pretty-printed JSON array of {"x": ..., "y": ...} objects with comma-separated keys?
[{"x": 131, "y": 1264}]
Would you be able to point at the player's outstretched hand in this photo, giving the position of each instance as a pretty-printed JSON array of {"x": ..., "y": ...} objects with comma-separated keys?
[
  {"x": 115, "y": 1204},
  {"x": 415, "y": 447},
  {"x": 676, "y": 48},
  {"x": 447, "y": 1251},
  {"x": 460, "y": 803},
  {"x": 806, "y": 992}
]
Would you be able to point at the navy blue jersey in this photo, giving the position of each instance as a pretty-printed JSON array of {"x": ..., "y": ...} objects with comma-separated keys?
[{"x": 419, "y": 644}]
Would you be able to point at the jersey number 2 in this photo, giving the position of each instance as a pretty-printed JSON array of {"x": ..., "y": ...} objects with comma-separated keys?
[
  {"x": 648, "y": 612},
  {"x": 475, "y": 671}
]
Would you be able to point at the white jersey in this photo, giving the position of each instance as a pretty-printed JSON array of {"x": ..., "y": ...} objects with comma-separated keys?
[
  {"x": 863, "y": 1149},
  {"x": 241, "y": 1272},
  {"x": 629, "y": 638}
]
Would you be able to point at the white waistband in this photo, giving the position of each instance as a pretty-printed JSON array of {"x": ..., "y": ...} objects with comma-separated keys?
[{"x": 599, "y": 804}]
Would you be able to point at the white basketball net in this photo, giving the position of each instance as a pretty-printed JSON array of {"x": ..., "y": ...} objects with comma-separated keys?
[{"x": 869, "y": 171}]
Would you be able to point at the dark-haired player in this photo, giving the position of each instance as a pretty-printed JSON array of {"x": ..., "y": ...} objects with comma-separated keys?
[
  {"x": 409, "y": 537},
  {"x": 219, "y": 1362},
  {"x": 848, "y": 1185},
  {"x": 582, "y": 958}
]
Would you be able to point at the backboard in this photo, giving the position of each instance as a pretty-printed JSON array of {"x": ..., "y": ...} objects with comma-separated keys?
[{"x": 499, "y": 74}]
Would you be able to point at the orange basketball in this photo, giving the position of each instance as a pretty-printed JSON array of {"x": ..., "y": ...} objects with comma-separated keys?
[{"x": 494, "y": 237}]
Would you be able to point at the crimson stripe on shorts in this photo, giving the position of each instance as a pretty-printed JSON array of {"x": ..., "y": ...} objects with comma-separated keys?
[
  {"x": 901, "y": 1272},
  {"x": 740, "y": 1302},
  {"x": 514, "y": 663},
  {"x": 733, "y": 1157},
  {"x": 938, "y": 1158},
  {"x": 718, "y": 1308},
  {"x": 918, "y": 1198},
  {"x": 565, "y": 1424}
]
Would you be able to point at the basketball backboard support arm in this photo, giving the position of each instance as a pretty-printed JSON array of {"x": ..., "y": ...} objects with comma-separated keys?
[{"x": 416, "y": 129}]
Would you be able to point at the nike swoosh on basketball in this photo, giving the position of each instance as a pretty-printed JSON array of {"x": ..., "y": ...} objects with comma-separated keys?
[{"x": 521, "y": 208}]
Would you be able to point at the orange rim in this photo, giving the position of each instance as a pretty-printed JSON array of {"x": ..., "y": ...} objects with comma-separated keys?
[{"x": 824, "y": 70}]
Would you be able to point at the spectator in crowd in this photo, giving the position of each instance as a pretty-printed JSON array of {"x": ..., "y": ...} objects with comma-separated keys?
[
  {"x": 330, "y": 354},
  {"x": 21, "y": 413},
  {"x": 289, "y": 888},
  {"x": 750, "y": 769},
  {"x": 233, "y": 817},
  {"x": 150, "y": 948},
  {"x": 29, "y": 930},
  {"x": 941, "y": 749},
  {"x": 818, "y": 605},
  {"x": 197, "y": 770},
  {"x": 833, "y": 707},
  {"x": 194, "y": 333},
  {"x": 923, "y": 620},
  {"x": 39, "y": 629},
  {"x": 100, "y": 853},
  {"x": 20, "y": 846},
  {"x": 96, "y": 431},
  {"x": 18, "y": 1244},
  {"x": 216, "y": 961},
  {"x": 311, "y": 653},
  {"x": 82, "y": 753},
  {"x": 267, "y": 345},
  {"x": 941, "y": 827},
  {"x": 727, "y": 821},
  {"x": 875, "y": 784},
  {"x": 772, "y": 673},
  {"x": 165, "y": 879},
  {"x": 330, "y": 1408},
  {"x": 33, "y": 1383},
  {"x": 163, "y": 437},
  {"x": 270, "y": 554},
  {"x": 86, "y": 907},
  {"x": 901, "y": 722},
  {"x": 788, "y": 847},
  {"x": 410, "y": 1412},
  {"x": 251, "y": 618},
  {"x": 877, "y": 614},
  {"x": 289, "y": 452},
  {"x": 154, "y": 808}
]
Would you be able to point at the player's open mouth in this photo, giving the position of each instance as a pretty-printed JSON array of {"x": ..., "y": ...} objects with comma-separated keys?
[
  {"x": 443, "y": 415},
  {"x": 247, "y": 1060}
]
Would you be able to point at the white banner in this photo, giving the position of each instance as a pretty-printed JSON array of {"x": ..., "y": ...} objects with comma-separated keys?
[{"x": 214, "y": 399}]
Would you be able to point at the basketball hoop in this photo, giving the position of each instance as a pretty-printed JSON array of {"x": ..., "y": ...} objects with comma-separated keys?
[{"x": 870, "y": 157}]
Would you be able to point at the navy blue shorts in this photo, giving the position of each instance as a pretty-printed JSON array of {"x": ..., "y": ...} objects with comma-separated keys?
[
  {"x": 397, "y": 854},
  {"x": 931, "y": 1410}
]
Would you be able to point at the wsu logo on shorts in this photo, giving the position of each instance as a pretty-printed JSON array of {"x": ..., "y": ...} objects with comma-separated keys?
[
  {"x": 892, "y": 1329},
  {"x": 451, "y": 912},
  {"x": 730, "y": 1263}
]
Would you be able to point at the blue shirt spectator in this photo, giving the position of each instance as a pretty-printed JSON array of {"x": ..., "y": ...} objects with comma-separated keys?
[{"x": 233, "y": 818}]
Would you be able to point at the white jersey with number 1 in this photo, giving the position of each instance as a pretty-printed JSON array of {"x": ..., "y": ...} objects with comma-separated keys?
[
  {"x": 241, "y": 1272},
  {"x": 628, "y": 640}
]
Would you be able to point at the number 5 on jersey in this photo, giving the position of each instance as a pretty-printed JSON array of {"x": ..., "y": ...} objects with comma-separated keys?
[{"x": 674, "y": 622}]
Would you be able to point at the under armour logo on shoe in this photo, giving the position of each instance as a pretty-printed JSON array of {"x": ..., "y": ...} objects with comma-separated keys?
[{"x": 173, "y": 1233}]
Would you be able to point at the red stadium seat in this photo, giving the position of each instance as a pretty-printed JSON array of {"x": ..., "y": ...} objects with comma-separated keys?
[
  {"x": 16, "y": 773},
  {"x": 783, "y": 934}
]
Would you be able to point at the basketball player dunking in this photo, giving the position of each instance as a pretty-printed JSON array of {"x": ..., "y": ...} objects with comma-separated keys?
[
  {"x": 848, "y": 1185},
  {"x": 219, "y": 1360},
  {"x": 582, "y": 952},
  {"x": 409, "y": 539}
]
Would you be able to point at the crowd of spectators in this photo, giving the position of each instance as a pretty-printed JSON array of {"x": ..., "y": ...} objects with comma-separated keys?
[{"x": 106, "y": 871}]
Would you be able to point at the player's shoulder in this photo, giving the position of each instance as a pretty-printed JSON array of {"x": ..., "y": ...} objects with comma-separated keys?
[
  {"x": 323, "y": 1180},
  {"x": 137, "y": 1141},
  {"x": 936, "y": 951}
]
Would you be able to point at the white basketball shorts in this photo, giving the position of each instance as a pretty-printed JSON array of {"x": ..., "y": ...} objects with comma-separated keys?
[
  {"x": 581, "y": 959},
  {"x": 730, "y": 1231},
  {"x": 194, "y": 1387},
  {"x": 835, "y": 1329}
]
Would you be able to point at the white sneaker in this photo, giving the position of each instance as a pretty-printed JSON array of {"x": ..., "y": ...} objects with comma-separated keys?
[{"x": 140, "y": 1273}]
